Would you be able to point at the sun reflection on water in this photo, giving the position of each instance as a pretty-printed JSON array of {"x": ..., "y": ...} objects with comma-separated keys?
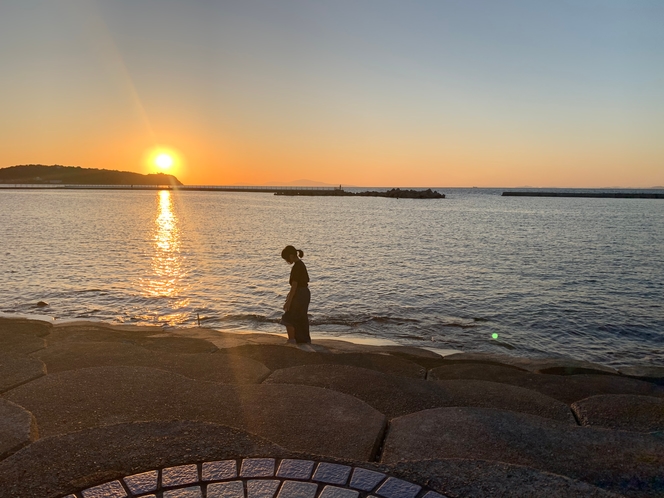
[{"x": 168, "y": 269}]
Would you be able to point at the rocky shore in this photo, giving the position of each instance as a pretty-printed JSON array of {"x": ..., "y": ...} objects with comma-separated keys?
[{"x": 92, "y": 410}]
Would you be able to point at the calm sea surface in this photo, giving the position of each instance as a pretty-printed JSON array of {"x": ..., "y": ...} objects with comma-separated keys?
[{"x": 550, "y": 276}]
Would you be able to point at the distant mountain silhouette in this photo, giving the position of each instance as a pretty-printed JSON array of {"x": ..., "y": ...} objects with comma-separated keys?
[
  {"x": 301, "y": 183},
  {"x": 75, "y": 175}
]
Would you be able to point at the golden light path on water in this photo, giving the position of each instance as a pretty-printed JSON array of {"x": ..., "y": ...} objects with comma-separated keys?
[{"x": 167, "y": 266}]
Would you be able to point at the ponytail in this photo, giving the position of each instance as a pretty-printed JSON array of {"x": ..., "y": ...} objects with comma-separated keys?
[{"x": 290, "y": 250}]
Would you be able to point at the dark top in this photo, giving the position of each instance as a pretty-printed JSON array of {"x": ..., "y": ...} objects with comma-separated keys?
[{"x": 299, "y": 274}]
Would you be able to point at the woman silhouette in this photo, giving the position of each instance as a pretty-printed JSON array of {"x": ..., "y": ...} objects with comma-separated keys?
[{"x": 296, "y": 307}]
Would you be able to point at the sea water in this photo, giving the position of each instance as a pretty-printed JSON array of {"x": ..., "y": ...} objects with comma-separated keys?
[{"x": 473, "y": 272}]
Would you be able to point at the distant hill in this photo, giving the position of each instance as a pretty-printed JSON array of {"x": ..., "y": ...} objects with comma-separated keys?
[
  {"x": 301, "y": 183},
  {"x": 75, "y": 175}
]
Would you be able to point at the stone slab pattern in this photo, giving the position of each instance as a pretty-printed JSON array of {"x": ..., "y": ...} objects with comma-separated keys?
[
  {"x": 17, "y": 428},
  {"x": 149, "y": 338},
  {"x": 214, "y": 367},
  {"x": 565, "y": 388},
  {"x": 622, "y": 412},
  {"x": 276, "y": 357},
  {"x": 329, "y": 423},
  {"x": 556, "y": 366},
  {"x": 489, "y": 479},
  {"x": 22, "y": 337},
  {"x": 259, "y": 478},
  {"x": 628, "y": 463},
  {"x": 16, "y": 370},
  {"x": 395, "y": 396}
]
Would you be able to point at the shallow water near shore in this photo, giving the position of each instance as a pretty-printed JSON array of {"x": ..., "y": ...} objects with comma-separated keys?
[{"x": 473, "y": 272}]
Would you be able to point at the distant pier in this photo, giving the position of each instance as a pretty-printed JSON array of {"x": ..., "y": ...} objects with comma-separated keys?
[{"x": 599, "y": 195}]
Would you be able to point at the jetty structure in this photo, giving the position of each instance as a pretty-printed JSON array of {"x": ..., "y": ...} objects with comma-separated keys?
[
  {"x": 90, "y": 410},
  {"x": 586, "y": 194}
]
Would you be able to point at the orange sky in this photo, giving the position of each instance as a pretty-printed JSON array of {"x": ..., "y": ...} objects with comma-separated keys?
[{"x": 426, "y": 95}]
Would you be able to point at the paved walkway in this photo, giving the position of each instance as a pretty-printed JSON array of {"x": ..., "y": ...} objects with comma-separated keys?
[
  {"x": 84, "y": 407},
  {"x": 259, "y": 478}
]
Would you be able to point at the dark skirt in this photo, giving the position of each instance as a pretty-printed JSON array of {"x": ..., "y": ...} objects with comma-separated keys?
[{"x": 297, "y": 315}]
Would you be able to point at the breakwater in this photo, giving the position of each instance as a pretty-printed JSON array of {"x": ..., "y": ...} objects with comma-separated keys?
[
  {"x": 599, "y": 195},
  {"x": 395, "y": 193}
]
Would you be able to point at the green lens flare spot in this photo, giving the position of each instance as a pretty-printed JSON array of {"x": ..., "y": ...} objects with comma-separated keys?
[{"x": 494, "y": 335}]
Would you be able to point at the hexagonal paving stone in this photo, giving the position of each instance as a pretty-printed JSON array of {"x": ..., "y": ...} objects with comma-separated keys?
[
  {"x": 612, "y": 459},
  {"x": 623, "y": 412},
  {"x": 16, "y": 370},
  {"x": 213, "y": 367},
  {"x": 395, "y": 396},
  {"x": 565, "y": 388},
  {"x": 17, "y": 428},
  {"x": 327, "y": 422}
]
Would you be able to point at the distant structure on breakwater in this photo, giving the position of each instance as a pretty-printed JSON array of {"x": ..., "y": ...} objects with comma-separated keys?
[
  {"x": 600, "y": 195},
  {"x": 394, "y": 193}
]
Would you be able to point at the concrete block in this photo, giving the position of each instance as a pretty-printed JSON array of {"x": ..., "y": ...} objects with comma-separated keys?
[
  {"x": 366, "y": 480},
  {"x": 218, "y": 471},
  {"x": 232, "y": 489},
  {"x": 297, "y": 489},
  {"x": 257, "y": 467},
  {"x": 295, "y": 469},
  {"x": 111, "y": 489},
  {"x": 262, "y": 488},
  {"x": 191, "y": 492},
  {"x": 145, "y": 482},
  {"x": 332, "y": 473},
  {"x": 179, "y": 476},
  {"x": 398, "y": 488}
]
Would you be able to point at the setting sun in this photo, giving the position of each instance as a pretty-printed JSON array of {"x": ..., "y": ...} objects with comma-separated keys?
[{"x": 164, "y": 161}]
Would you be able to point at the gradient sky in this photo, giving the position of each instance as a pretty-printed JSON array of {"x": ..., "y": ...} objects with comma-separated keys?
[{"x": 566, "y": 93}]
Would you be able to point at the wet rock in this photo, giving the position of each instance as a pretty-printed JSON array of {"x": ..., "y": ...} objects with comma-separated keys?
[
  {"x": 628, "y": 463},
  {"x": 300, "y": 418},
  {"x": 623, "y": 412},
  {"x": 649, "y": 373},
  {"x": 42, "y": 304},
  {"x": 17, "y": 428}
]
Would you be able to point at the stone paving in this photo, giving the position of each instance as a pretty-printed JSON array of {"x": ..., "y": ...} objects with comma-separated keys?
[
  {"x": 100, "y": 410},
  {"x": 259, "y": 478}
]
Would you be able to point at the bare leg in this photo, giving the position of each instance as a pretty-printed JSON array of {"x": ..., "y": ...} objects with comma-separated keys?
[{"x": 291, "y": 332}]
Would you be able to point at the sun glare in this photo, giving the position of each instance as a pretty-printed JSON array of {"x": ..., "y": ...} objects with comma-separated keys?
[{"x": 164, "y": 161}]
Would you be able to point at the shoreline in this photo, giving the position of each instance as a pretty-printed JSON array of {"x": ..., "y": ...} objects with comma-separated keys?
[{"x": 349, "y": 342}]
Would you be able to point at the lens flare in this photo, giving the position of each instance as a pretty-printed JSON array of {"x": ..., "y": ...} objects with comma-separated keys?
[{"x": 494, "y": 335}]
